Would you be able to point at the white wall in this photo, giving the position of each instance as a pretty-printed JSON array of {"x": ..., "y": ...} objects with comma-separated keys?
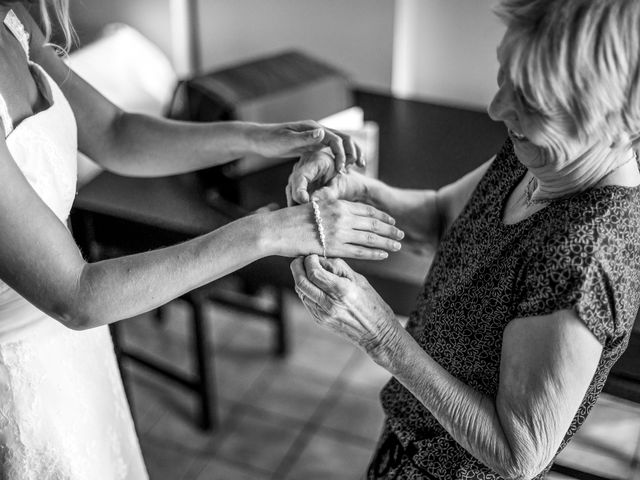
[
  {"x": 355, "y": 35},
  {"x": 445, "y": 51},
  {"x": 151, "y": 17}
]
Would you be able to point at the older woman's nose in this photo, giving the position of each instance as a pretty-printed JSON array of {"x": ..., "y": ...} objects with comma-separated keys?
[{"x": 501, "y": 108}]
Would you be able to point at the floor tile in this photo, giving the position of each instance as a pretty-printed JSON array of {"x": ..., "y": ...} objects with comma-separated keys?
[
  {"x": 234, "y": 378},
  {"x": 186, "y": 434},
  {"x": 364, "y": 375},
  {"x": 163, "y": 460},
  {"x": 144, "y": 398},
  {"x": 221, "y": 470},
  {"x": 145, "y": 336},
  {"x": 358, "y": 417},
  {"x": 323, "y": 352},
  {"x": 292, "y": 392},
  {"x": 259, "y": 441},
  {"x": 328, "y": 457},
  {"x": 607, "y": 442}
]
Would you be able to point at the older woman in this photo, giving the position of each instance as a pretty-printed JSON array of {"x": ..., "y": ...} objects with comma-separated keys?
[{"x": 535, "y": 284}]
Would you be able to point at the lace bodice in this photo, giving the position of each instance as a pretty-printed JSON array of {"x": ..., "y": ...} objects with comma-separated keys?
[{"x": 44, "y": 146}]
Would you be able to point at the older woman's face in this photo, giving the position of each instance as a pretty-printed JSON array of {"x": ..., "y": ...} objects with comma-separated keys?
[{"x": 537, "y": 139}]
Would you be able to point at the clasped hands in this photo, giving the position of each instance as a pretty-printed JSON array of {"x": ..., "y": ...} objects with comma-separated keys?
[{"x": 337, "y": 297}]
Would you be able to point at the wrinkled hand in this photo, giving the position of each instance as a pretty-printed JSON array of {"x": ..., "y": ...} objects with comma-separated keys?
[
  {"x": 315, "y": 174},
  {"x": 297, "y": 138},
  {"x": 344, "y": 301},
  {"x": 352, "y": 230}
]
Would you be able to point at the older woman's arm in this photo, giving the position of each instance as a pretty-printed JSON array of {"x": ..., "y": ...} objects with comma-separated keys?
[{"x": 547, "y": 364}]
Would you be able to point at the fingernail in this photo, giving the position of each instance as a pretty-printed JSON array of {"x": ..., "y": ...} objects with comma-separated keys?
[
  {"x": 317, "y": 133},
  {"x": 383, "y": 254},
  {"x": 396, "y": 246},
  {"x": 400, "y": 234}
]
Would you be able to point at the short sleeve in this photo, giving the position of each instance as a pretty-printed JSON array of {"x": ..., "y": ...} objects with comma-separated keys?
[{"x": 569, "y": 274}]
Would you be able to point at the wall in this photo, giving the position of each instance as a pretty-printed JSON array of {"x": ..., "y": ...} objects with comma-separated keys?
[
  {"x": 151, "y": 17},
  {"x": 445, "y": 51},
  {"x": 356, "y": 35},
  {"x": 439, "y": 50}
]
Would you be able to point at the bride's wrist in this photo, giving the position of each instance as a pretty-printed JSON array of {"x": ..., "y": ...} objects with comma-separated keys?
[
  {"x": 264, "y": 228},
  {"x": 274, "y": 235}
]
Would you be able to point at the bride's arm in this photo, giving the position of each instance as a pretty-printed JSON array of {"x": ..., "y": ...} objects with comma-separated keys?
[
  {"x": 40, "y": 260},
  {"x": 142, "y": 145}
]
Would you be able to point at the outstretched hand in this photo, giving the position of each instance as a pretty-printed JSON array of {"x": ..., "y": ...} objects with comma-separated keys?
[
  {"x": 344, "y": 301},
  {"x": 297, "y": 138},
  {"x": 351, "y": 230}
]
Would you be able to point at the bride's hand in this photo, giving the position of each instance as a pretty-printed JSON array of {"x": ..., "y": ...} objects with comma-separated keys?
[
  {"x": 352, "y": 230},
  {"x": 301, "y": 138}
]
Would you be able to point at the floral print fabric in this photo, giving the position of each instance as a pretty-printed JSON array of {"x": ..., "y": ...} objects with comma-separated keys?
[{"x": 582, "y": 253}]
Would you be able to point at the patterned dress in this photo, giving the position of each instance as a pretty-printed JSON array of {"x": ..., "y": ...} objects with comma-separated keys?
[{"x": 579, "y": 253}]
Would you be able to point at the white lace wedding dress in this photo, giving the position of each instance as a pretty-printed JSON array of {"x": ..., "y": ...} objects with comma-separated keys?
[{"x": 63, "y": 414}]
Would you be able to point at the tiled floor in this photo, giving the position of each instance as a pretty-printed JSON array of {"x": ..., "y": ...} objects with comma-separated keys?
[{"x": 313, "y": 415}]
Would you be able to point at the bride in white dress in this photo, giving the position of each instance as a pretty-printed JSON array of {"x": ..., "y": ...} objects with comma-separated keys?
[{"x": 63, "y": 413}]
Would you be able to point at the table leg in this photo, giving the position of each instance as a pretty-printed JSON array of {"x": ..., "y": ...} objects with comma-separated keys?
[
  {"x": 203, "y": 360},
  {"x": 282, "y": 339}
]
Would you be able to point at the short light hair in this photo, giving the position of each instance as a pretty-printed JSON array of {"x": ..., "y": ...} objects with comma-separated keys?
[{"x": 579, "y": 58}]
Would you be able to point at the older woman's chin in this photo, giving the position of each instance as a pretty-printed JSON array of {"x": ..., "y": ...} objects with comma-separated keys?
[{"x": 530, "y": 155}]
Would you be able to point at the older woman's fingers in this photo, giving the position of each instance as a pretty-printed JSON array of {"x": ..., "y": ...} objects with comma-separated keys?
[
  {"x": 376, "y": 226},
  {"x": 336, "y": 144},
  {"x": 365, "y": 210},
  {"x": 337, "y": 266},
  {"x": 352, "y": 150},
  {"x": 361, "y": 161},
  {"x": 299, "y": 186},
  {"x": 319, "y": 315},
  {"x": 288, "y": 195},
  {"x": 303, "y": 284},
  {"x": 322, "y": 278}
]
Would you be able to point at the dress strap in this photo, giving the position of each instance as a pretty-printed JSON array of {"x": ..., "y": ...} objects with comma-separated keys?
[
  {"x": 16, "y": 27},
  {"x": 5, "y": 117}
]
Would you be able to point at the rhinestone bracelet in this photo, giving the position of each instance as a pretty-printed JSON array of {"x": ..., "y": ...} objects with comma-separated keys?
[{"x": 318, "y": 219}]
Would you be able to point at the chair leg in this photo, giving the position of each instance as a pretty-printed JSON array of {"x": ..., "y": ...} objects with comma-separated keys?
[
  {"x": 281, "y": 331},
  {"x": 204, "y": 367}
]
